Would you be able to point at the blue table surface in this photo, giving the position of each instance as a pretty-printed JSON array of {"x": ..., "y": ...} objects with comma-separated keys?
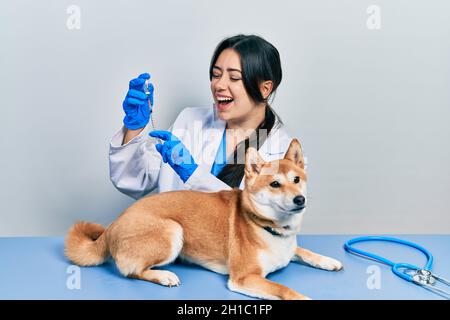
[{"x": 36, "y": 268}]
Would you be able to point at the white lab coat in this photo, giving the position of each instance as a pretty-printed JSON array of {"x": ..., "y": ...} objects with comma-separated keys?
[{"x": 136, "y": 168}]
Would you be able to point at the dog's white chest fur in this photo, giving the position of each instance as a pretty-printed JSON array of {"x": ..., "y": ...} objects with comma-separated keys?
[{"x": 279, "y": 252}]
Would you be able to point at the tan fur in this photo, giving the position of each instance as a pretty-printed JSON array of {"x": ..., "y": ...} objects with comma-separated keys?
[
  {"x": 85, "y": 244},
  {"x": 222, "y": 231}
]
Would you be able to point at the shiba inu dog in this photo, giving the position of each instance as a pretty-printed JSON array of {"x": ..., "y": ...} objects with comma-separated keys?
[{"x": 244, "y": 233}]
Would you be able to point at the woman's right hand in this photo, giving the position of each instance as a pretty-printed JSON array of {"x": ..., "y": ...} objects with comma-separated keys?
[{"x": 137, "y": 104}]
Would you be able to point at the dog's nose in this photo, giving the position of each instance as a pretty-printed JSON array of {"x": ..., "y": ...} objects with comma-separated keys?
[{"x": 299, "y": 200}]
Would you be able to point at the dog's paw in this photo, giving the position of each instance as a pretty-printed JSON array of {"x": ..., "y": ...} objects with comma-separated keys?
[
  {"x": 295, "y": 296},
  {"x": 330, "y": 264},
  {"x": 169, "y": 279}
]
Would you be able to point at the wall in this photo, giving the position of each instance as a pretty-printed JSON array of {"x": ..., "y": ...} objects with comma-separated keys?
[{"x": 371, "y": 106}]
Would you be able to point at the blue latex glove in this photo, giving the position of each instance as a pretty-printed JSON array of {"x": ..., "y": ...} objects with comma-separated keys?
[
  {"x": 174, "y": 152},
  {"x": 136, "y": 104}
]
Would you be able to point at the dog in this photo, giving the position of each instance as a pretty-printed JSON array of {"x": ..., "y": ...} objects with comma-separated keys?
[{"x": 243, "y": 233}]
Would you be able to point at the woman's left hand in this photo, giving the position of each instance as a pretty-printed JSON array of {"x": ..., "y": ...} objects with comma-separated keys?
[{"x": 175, "y": 153}]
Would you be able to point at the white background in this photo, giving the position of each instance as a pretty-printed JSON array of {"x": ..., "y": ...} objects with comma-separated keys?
[{"x": 371, "y": 107}]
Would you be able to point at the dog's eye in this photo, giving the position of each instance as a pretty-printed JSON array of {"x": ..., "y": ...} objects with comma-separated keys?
[
  {"x": 275, "y": 184},
  {"x": 296, "y": 180}
]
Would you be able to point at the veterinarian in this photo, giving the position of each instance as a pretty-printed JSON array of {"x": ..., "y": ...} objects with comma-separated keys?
[{"x": 245, "y": 72}]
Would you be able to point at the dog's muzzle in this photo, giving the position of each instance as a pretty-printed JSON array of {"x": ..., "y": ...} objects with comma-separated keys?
[
  {"x": 297, "y": 210},
  {"x": 299, "y": 201}
]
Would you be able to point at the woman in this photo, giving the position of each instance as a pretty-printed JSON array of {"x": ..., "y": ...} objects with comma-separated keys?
[{"x": 204, "y": 148}]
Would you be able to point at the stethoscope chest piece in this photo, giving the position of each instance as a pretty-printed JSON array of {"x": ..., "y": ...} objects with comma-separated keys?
[{"x": 423, "y": 276}]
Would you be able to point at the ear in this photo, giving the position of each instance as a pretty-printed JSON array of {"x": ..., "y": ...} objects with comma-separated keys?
[
  {"x": 294, "y": 153},
  {"x": 266, "y": 88},
  {"x": 253, "y": 162}
]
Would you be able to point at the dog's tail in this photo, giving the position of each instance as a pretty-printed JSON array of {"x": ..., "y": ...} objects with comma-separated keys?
[{"x": 85, "y": 244}]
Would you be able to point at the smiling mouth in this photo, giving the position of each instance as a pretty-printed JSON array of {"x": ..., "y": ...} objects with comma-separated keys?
[
  {"x": 297, "y": 209},
  {"x": 221, "y": 105}
]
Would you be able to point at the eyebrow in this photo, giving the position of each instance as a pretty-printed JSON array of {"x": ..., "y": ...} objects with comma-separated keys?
[{"x": 228, "y": 69}]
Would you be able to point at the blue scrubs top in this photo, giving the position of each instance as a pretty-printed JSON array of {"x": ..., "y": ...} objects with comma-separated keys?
[{"x": 221, "y": 157}]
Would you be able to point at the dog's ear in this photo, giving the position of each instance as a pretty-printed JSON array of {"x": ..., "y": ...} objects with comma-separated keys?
[
  {"x": 253, "y": 162},
  {"x": 294, "y": 153}
]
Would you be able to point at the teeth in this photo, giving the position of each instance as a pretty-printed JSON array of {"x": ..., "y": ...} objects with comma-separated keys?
[{"x": 224, "y": 99}]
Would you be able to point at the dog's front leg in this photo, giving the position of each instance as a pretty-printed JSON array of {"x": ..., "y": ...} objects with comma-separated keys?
[
  {"x": 259, "y": 287},
  {"x": 316, "y": 260}
]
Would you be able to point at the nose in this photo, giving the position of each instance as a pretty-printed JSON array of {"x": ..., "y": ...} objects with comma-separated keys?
[
  {"x": 221, "y": 83},
  {"x": 299, "y": 200}
]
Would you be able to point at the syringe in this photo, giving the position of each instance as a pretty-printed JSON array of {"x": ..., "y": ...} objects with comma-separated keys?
[{"x": 147, "y": 84}]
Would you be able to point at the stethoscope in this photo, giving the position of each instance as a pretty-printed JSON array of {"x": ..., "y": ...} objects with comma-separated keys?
[{"x": 411, "y": 273}]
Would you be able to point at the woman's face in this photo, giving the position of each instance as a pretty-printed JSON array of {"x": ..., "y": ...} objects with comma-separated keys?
[{"x": 231, "y": 101}]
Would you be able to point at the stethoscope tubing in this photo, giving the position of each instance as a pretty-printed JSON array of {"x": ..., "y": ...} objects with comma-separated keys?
[{"x": 395, "y": 266}]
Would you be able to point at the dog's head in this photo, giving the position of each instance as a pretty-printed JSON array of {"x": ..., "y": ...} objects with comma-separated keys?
[{"x": 277, "y": 189}]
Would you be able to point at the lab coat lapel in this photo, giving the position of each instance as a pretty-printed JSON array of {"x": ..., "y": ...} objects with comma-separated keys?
[
  {"x": 276, "y": 144},
  {"x": 273, "y": 148}
]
